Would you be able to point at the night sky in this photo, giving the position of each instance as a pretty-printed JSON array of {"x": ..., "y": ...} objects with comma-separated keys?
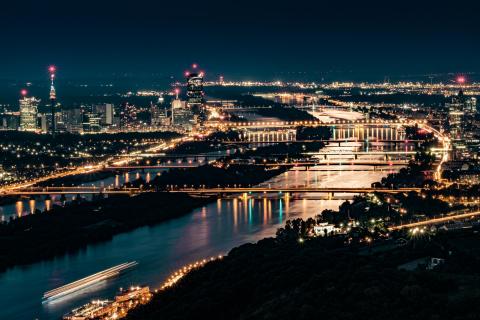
[{"x": 239, "y": 39}]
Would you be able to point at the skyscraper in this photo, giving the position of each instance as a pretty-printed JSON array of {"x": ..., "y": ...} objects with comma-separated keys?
[
  {"x": 176, "y": 104},
  {"x": 128, "y": 116},
  {"x": 91, "y": 121},
  {"x": 109, "y": 113},
  {"x": 195, "y": 94},
  {"x": 28, "y": 112},
  {"x": 53, "y": 98},
  {"x": 106, "y": 112},
  {"x": 73, "y": 119},
  {"x": 471, "y": 105},
  {"x": 456, "y": 115},
  {"x": 157, "y": 116}
]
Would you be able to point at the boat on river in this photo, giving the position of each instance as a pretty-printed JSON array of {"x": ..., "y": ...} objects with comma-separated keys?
[{"x": 87, "y": 281}]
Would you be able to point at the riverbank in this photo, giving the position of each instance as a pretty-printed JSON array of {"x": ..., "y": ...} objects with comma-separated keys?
[
  {"x": 46, "y": 234},
  {"x": 34, "y": 237},
  {"x": 160, "y": 249},
  {"x": 327, "y": 278},
  {"x": 65, "y": 229}
]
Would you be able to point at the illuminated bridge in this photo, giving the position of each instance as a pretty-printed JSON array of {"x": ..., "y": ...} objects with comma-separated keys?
[
  {"x": 331, "y": 191},
  {"x": 342, "y": 131},
  {"x": 364, "y": 155},
  {"x": 307, "y": 123},
  {"x": 32, "y": 191},
  {"x": 174, "y": 155},
  {"x": 328, "y": 162},
  {"x": 332, "y": 162},
  {"x": 359, "y": 153},
  {"x": 179, "y": 165},
  {"x": 330, "y": 141}
]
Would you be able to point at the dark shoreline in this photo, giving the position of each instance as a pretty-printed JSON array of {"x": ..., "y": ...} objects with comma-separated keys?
[
  {"x": 44, "y": 235},
  {"x": 316, "y": 278}
]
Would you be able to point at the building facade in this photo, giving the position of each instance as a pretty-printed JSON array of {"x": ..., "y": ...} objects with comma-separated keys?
[{"x": 28, "y": 113}]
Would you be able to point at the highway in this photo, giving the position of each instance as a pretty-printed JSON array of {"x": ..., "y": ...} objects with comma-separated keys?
[
  {"x": 91, "y": 168},
  {"x": 433, "y": 221}
]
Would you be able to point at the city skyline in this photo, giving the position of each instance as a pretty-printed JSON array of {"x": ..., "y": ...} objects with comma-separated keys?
[{"x": 239, "y": 160}]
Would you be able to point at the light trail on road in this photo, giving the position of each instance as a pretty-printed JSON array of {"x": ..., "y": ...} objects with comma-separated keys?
[
  {"x": 467, "y": 215},
  {"x": 87, "y": 169}
]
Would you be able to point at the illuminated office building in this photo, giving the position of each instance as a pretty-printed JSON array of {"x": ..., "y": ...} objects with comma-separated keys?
[
  {"x": 456, "y": 112},
  {"x": 195, "y": 93},
  {"x": 28, "y": 113}
]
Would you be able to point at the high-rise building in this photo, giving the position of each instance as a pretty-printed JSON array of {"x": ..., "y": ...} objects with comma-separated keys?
[
  {"x": 128, "y": 116},
  {"x": 28, "y": 112},
  {"x": 184, "y": 118},
  {"x": 195, "y": 93},
  {"x": 91, "y": 122},
  {"x": 9, "y": 120},
  {"x": 73, "y": 120},
  {"x": 53, "y": 99},
  {"x": 158, "y": 116},
  {"x": 471, "y": 105},
  {"x": 106, "y": 112},
  {"x": 59, "y": 121},
  {"x": 109, "y": 113},
  {"x": 176, "y": 107},
  {"x": 45, "y": 122},
  {"x": 456, "y": 112}
]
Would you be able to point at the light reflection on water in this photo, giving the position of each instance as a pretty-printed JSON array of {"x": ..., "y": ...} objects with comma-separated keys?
[
  {"x": 26, "y": 206},
  {"x": 207, "y": 231},
  {"x": 161, "y": 249},
  {"x": 23, "y": 207}
]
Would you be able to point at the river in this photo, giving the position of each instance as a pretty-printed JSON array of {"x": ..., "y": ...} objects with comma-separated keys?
[
  {"x": 211, "y": 230},
  {"x": 207, "y": 231}
]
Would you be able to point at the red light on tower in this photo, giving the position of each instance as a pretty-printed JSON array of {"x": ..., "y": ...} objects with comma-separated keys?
[
  {"x": 23, "y": 92},
  {"x": 52, "y": 69},
  {"x": 461, "y": 79},
  {"x": 187, "y": 73},
  {"x": 194, "y": 66}
]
